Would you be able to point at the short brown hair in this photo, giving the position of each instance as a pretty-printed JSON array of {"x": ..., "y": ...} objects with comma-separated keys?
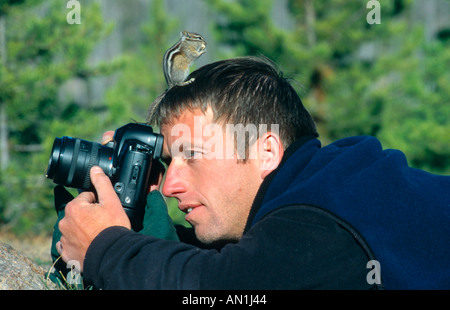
[{"x": 245, "y": 90}]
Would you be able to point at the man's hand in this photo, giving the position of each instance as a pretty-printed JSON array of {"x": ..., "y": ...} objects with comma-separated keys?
[{"x": 86, "y": 216}]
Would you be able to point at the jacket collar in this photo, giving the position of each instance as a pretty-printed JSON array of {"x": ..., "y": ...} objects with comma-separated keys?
[{"x": 259, "y": 198}]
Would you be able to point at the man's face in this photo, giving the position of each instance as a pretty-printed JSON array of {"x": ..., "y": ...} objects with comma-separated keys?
[{"x": 214, "y": 190}]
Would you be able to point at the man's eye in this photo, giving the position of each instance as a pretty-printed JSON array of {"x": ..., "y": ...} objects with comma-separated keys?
[{"x": 191, "y": 154}]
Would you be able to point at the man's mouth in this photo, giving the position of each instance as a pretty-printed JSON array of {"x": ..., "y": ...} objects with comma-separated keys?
[{"x": 187, "y": 209}]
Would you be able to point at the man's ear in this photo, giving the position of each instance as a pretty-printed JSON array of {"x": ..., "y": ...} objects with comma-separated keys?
[{"x": 271, "y": 151}]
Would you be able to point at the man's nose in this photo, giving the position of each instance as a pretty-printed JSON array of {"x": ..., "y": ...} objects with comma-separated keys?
[{"x": 174, "y": 183}]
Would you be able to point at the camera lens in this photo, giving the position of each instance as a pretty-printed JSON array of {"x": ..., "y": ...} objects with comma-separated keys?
[{"x": 71, "y": 160}]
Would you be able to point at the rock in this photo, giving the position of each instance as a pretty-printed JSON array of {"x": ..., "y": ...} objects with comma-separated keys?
[{"x": 17, "y": 272}]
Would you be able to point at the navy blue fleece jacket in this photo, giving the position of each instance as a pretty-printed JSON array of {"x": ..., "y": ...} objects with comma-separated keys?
[
  {"x": 403, "y": 213},
  {"x": 315, "y": 223}
]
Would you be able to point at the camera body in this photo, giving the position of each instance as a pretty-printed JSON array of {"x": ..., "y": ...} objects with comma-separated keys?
[{"x": 127, "y": 162}]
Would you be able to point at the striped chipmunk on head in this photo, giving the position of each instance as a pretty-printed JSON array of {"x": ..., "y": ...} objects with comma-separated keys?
[
  {"x": 177, "y": 61},
  {"x": 179, "y": 58}
]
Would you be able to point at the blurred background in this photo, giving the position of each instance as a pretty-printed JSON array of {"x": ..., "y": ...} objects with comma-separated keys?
[{"x": 390, "y": 80}]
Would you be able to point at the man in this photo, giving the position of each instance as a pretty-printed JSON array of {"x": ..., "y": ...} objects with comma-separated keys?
[{"x": 270, "y": 208}]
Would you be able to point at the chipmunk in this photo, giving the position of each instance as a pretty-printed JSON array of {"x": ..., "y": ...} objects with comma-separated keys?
[
  {"x": 177, "y": 61},
  {"x": 179, "y": 58}
]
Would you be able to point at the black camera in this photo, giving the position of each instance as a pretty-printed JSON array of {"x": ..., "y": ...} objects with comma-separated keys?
[{"x": 127, "y": 162}]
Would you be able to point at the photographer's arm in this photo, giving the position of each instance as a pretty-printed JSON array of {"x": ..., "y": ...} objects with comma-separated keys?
[
  {"x": 87, "y": 215},
  {"x": 292, "y": 248}
]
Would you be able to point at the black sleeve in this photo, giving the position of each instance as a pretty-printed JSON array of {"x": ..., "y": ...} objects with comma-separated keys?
[{"x": 291, "y": 248}]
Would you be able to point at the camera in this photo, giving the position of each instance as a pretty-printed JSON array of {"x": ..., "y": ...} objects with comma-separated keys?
[{"x": 127, "y": 162}]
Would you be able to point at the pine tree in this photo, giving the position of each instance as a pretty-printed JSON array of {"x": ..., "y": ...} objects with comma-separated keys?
[
  {"x": 357, "y": 78},
  {"x": 43, "y": 52}
]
